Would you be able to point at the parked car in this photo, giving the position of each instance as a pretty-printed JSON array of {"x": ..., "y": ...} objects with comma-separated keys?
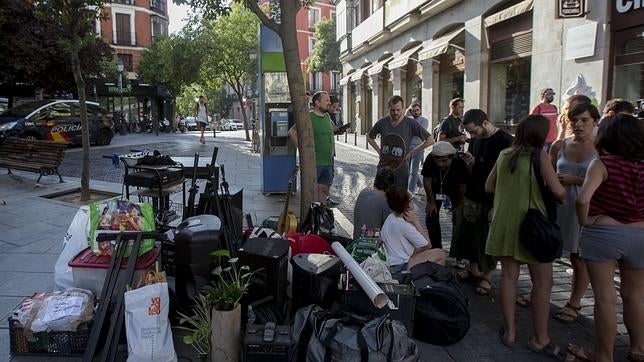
[
  {"x": 190, "y": 124},
  {"x": 56, "y": 120},
  {"x": 232, "y": 125}
]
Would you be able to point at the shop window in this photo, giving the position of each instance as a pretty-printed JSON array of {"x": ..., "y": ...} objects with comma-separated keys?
[
  {"x": 629, "y": 68},
  {"x": 451, "y": 86},
  {"x": 509, "y": 90}
]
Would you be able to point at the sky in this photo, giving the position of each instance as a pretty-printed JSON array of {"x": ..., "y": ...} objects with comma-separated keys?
[{"x": 177, "y": 13}]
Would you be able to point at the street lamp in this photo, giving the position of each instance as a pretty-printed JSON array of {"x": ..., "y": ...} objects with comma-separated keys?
[{"x": 119, "y": 68}]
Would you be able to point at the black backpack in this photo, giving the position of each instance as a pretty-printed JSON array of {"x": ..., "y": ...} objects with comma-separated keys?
[{"x": 442, "y": 316}]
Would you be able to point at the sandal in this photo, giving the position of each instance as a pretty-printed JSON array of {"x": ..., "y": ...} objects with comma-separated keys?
[
  {"x": 569, "y": 313},
  {"x": 482, "y": 289},
  {"x": 506, "y": 342},
  {"x": 635, "y": 357},
  {"x": 465, "y": 276},
  {"x": 550, "y": 350},
  {"x": 579, "y": 353},
  {"x": 523, "y": 300}
]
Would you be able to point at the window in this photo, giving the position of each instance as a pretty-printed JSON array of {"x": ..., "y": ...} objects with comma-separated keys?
[
  {"x": 311, "y": 44},
  {"x": 332, "y": 15},
  {"x": 127, "y": 61},
  {"x": 122, "y": 32},
  {"x": 314, "y": 17},
  {"x": 315, "y": 81},
  {"x": 60, "y": 110},
  {"x": 335, "y": 81},
  {"x": 158, "y": 6},
  {"x": 159, "y": 27},
  {"x": 509, "y": 90}
]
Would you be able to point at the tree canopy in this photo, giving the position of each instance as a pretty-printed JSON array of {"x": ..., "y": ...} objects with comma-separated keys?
[{"x": 326, "y": 52}]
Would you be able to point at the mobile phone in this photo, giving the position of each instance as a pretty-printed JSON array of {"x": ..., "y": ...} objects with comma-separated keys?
[{"x": 343, "y": 128}]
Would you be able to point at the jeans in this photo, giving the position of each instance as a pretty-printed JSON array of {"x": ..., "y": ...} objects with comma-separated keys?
[{"x": 414, "y": 177}]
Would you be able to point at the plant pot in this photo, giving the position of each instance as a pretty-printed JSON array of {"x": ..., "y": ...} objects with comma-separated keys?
[{"x": 226, "y": 329}]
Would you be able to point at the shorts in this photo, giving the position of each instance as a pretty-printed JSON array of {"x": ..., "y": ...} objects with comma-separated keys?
[
  {"x": 610, "y": 242},
  {"x": 325, "y": 175}
]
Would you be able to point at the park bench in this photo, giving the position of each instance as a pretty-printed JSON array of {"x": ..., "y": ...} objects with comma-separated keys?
[{"x": 38, "y": 156}]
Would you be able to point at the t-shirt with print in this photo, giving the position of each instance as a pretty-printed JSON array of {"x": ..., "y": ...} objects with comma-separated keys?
[
  {"x": 445, "y": 180},
  {"x": 400, "y": 238},
  {"x": 371, "y": 209},
  {"x": 549, "y": 111},
  {"x": 452, "y": 127},
  {"x": 323, "y": 137},
  {"x": 395, "y": 143},
  {"x": 485, "y": 152}
]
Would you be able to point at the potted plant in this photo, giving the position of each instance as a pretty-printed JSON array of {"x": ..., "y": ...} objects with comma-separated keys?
[
  {"x": 199, "y": 326},
  {"x": 224, "y": 294}
]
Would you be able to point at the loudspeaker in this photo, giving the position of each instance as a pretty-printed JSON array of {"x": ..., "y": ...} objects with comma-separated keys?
[
  {"x": 267, "y": 343},
  {"x": 315, "y": 279},
  {"x": 195, "y": 238},
  {"x": 268, "y": 258}
]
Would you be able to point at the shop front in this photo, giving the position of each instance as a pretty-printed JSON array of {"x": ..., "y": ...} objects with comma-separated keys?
[{"x": 628, "y": 51}]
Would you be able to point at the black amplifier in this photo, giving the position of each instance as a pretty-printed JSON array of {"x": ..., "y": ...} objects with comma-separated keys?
[
  {"x": 267, "y": 343},
  {"x": 154, "y": 178}
]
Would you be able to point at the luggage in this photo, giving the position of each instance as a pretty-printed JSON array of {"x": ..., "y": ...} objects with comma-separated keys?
[
  {"x": 341, "y": 336},
  {"x": 442, "y": 315}
]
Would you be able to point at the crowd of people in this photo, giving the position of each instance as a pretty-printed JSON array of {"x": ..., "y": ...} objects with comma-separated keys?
[{"x": 592, "y": 171}]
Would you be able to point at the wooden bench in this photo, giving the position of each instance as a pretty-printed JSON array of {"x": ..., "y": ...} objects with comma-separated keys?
[{"x": 42, "y": 157}]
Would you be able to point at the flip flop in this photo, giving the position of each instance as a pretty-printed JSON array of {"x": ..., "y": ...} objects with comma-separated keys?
[
  {"x": 523, "y": 301},
  {"x": 503, "y": 340},
  {"x": 550, "y": 350},
  {"x": 481, "y": 289},
  {"x": 580, "y": 353},
  {"x": 568, "y": 314}
]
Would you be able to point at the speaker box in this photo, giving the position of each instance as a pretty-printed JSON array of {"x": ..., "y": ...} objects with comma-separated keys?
[
  {"x": 195, "y": 238},
  {"x": 315, "y": 279},
  {"x": 268, "y": 258},
  {"x": 275, "y": 346}
]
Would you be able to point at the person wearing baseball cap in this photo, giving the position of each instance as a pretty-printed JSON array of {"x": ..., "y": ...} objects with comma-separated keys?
[{"x": 444, "y": 178}]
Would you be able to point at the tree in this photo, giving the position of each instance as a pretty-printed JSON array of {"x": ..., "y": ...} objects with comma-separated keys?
[
  {"x": 226, "y": 42},
  {"x": 76, "y": 19},
  {"x": 326, "y": 52},
  {"x": 284, "y": 25}
]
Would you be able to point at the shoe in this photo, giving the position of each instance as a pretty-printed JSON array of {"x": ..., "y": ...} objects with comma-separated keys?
[
  {"x": 579, "y": 353},
  {"x": 550, "y": 350},
  {"x": 569, "y": 313},
  {"x": 483, "y": 287},
  {"x": 461, "y": 264},
  {"x": 523, "y": 300}
]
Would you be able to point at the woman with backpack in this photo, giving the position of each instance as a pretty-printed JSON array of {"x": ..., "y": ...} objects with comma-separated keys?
[{"x": 508, "y": 179}]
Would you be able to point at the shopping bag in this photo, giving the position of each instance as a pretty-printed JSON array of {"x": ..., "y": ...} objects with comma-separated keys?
[
  {"x": 114, "y": 216},
  {"x": 74, "y": 242},
  {"x": 149, "y": 337}
]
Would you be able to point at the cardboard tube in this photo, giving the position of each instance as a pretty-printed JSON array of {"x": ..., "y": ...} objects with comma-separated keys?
[{"x": 373, "y": 291}]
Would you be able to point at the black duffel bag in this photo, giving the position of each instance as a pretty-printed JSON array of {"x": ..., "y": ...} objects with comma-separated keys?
[{"x": 442, "y": 316}]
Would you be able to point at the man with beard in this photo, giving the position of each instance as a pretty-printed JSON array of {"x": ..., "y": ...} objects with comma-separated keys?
[
  {"x": 396, "y": 132},
  {"x": 548, "y": 110},
  {"x": 324, "y": 144}
]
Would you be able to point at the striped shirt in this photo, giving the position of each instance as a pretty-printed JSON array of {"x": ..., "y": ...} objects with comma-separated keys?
[{"x": 621, "y": 195}]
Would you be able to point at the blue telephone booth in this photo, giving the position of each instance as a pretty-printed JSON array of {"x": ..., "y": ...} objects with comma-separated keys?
[{"x": 278, "y": 154}]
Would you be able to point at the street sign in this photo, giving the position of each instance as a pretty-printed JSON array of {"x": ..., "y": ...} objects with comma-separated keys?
[{"x": 571, "y": 8}]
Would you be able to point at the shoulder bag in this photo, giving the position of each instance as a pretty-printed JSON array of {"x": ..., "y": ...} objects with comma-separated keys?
[{"x": 540, "y": 235}]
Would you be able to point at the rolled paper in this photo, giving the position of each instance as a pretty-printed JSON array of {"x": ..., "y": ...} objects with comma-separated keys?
[{"x": 373, "y": 291}]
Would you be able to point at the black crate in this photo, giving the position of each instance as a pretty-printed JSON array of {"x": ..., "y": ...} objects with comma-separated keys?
[
  {"x": 402, "y": 295},
  {"x": 48, "y": 343}
]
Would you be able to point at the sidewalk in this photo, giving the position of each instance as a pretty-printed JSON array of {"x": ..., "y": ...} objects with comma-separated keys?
[{"x": 32, "y": 228}]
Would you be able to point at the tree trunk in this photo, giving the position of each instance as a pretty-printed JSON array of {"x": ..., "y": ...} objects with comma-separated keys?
[
  {"x": 80, "y": 85},
  {"x": 306, "y": 144},
  {"x": 243, "y": 112}
]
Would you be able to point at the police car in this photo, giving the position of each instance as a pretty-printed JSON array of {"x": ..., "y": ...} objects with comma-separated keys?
[{"x": 56, "y": 120}]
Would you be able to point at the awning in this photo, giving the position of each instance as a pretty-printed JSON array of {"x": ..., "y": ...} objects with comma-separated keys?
[
  {"x": 512, "y": 11},
  {"x": 345, "y": 80},
  {"x": 401, "y": 60},
  {"x": 439, "y": 46},
  {"x": 359, "y": 73},
  {"x": 377, "y": 68}
]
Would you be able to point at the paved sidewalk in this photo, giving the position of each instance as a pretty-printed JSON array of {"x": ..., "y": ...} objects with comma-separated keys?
[{"x": 32, "y": 227}]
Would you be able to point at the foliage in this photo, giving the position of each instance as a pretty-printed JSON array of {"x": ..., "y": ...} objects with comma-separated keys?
[
  {"x": 326, "y": 53},
  {"x": 34, "y": 54},
  {"x": 187, "y": 98},
  {"x": 174, "y": 61},
  {"x": 232, "y": 283},
  {"x": 199, "y": 325},
  {"x": 226, "y": 42}
]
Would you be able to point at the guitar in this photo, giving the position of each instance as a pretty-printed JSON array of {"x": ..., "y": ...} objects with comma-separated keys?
[{"x": 288, "y": 221}]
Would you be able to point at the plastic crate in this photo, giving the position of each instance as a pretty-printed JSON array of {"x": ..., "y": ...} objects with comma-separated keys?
[
  {"x": 90, "y": 270},
  {"x": 48, "y": 343}
]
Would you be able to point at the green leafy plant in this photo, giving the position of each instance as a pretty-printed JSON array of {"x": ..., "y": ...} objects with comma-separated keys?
[
  {"x": 199, "y": 325},
  {"x": 232, "y": 283}
]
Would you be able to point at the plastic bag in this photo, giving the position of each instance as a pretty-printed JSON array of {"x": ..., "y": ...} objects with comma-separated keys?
[
  {"x": 149, "y": 337},
  {"x": 56, "y": 311},
  {"x": 74, "y": 242},
  {"x": 318, "y": 220},
  {"x": 116, "y": 216},
  {"x": 377, "y": 270}
]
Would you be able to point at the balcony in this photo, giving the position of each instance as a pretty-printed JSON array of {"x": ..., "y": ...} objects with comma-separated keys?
[
  {"x": 123, "y": 38},
  {"x": 158, "y": 6},
  {"x": 368, "y": 29},
  {"x": 124, "y": 2}
]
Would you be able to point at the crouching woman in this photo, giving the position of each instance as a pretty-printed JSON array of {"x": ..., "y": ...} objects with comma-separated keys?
[{"x": 405, "y": 241}]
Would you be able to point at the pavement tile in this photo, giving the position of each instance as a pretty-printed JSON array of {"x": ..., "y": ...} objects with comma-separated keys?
[
  {"x": 26, "y": 284},
  {"x": 7, "y": 305},
  {"x": 28, "y": 262}
]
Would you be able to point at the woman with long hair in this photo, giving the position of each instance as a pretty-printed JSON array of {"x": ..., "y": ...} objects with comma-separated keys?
[
  {"x": 571, "y": 158},
  {"x": 405, "y": 241},
  {"x": 515, "y": 190},
  {"x": 610, "y": 208}
]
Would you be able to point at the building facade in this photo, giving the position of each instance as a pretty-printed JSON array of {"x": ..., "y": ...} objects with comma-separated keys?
[{"x": 496, "y": 54}]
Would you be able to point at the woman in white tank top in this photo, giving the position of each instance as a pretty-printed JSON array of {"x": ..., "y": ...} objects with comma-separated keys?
[{"x": 201, "y": 115}]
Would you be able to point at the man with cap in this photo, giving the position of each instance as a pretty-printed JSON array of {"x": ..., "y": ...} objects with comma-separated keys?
[
  {"x": 548, "y": 110},
  {"x": 444, "y": 178}
]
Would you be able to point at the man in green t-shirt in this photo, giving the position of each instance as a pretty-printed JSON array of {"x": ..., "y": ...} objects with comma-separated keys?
[{"x": 324, "y": 144}]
